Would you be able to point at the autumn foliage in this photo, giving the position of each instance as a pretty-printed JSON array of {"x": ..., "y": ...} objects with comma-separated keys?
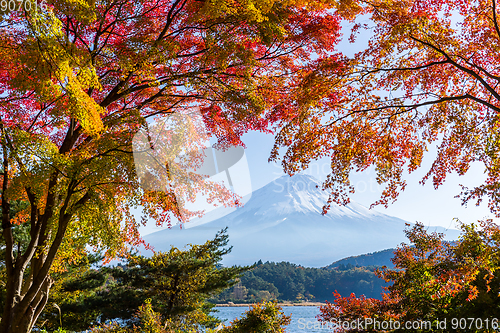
[
  {"x": 79, "y": 78},
  {"x": 434, "y": 280},
  {"x": 428, "y": 76}
]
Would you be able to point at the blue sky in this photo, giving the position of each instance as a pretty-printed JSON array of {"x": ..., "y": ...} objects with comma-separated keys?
[
  {"x": 417, "y": 203},
  {"x": 420, "y": 203}
]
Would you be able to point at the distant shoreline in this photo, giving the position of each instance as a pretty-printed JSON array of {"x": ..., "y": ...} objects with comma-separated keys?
[{"x": 280, "y": 304}]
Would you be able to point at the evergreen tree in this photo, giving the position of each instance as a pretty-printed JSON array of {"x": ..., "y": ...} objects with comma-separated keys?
[{"x": 177, "y": 284}]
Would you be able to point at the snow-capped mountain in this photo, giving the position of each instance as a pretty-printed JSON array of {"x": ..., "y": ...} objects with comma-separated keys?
[{"x": 282, "y": 222}]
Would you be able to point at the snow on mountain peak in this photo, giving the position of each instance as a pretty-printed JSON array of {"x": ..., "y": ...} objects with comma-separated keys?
[
  {"x": 284, "y": 197},
  {"x": 298, "y": 194},
  {"x": 283, "y": 221}
]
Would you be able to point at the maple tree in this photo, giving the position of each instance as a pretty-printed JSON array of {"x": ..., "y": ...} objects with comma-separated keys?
[
  {"x": 429, "y": 73},
  {"x": 433, "y": 281},
  {"x": 79, "y": 78}
]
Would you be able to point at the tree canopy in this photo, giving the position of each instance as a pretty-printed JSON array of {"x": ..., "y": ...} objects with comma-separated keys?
[
  {"x": 429, "y": 74},
  {"x": 79, "y": 78}
]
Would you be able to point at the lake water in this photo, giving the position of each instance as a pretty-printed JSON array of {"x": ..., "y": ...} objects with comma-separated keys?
[{"x": 303, "y": 317}]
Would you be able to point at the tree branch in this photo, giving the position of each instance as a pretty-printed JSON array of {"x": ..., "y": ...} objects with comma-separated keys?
[
  {"x": 495, "y": 20},
  {"x": 414, "y": 106},
  {"x": 460, "y": 67}
]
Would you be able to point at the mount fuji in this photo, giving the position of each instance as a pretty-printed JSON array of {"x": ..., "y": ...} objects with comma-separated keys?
[{"x": 282, "y": 221}]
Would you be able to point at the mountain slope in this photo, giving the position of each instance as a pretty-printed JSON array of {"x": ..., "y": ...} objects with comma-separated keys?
[
  {"x": 282, "y": 222},
  {"x": 379, "y": 258}
]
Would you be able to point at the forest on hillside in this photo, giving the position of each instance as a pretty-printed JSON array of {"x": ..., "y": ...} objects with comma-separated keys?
[
  {"x": 285, "y": 281},
  {"x": 378, "y": 258}
]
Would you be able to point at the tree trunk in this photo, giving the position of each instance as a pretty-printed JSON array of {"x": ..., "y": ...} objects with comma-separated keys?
[
  {"x": 20, "y": 314},
  {"x": 27, "y": 295}
]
